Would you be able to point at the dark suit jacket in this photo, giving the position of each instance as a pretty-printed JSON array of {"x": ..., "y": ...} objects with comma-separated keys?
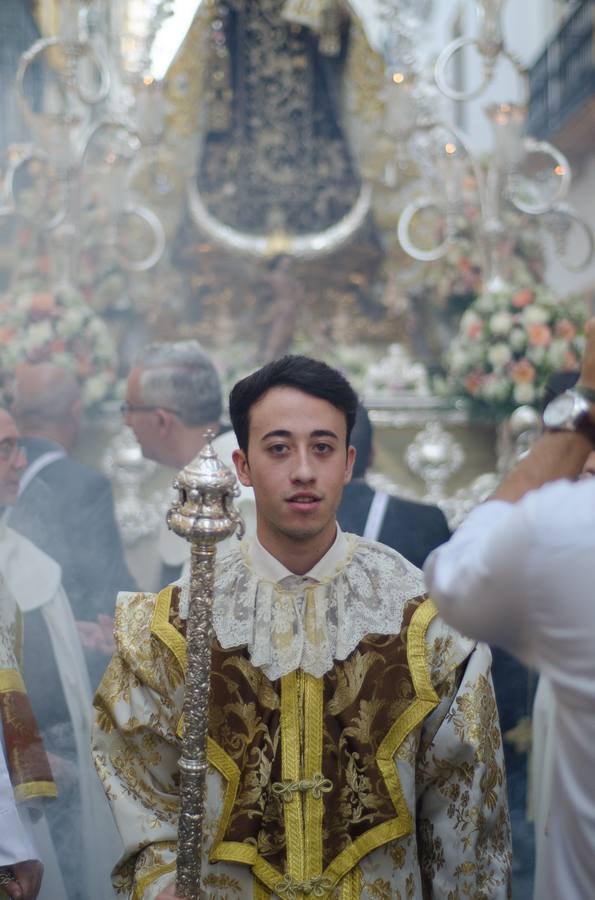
[
  {"x": 413, "y": 529},
  {"x": 68, "y": 512}
]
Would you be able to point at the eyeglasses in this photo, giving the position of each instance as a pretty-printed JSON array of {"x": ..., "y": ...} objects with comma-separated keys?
[
  {"x": 126, "y": 408},
  {"x": 9, "y": 448}
]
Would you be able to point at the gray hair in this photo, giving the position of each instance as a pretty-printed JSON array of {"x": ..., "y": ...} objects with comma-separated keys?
[
  {"x": 45, "y": 393},
  {"x": 179, "y": 376}
]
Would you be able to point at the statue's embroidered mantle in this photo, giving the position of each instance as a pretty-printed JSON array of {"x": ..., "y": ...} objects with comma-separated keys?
[{"x": 385, "y": 774}]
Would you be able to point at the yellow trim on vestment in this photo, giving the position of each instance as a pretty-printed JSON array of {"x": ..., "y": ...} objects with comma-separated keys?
[
  {"x": 11, "y": 681},
  {"x": 18, "y": 640},
  {"x": 313, "y": 808},
  {"x": 425, "y": 700},
  {"x": 33, "y": 789},
  {"x": 164, "y": 630},
  {"x": 224, "y": 764},
  {"x": 149, "y": 878},
  {"x": 292, "y": 691},
  {"x": 292, "y": 686},
  {"x": 169, "y": 635},
  {"x": 234, "y": 851},
  {"x": 352, "y": 885},
  {"x": 260, "y": 892}
]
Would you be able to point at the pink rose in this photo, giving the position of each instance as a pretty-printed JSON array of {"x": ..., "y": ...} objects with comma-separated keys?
[
  {"x": 522, "y": 298},
  {"x": 523, "y": 372},
  {"x": 565, "y": 329},
  {"x": 539, "y": 335}
]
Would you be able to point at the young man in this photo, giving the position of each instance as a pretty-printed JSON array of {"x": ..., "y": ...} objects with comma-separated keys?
[{"x": 354, "y": 743}]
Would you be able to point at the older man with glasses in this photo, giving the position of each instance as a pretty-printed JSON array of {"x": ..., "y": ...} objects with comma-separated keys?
[{"x": 173, "y": 398}]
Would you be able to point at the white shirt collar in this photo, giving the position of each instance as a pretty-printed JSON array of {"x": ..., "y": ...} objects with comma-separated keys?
[{"x": 267, "y": 567}]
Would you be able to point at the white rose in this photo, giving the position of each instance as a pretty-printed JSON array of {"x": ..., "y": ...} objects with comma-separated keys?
[
  {"x": 66, "y": 360},
  {"x": 524, "y": 393},
  {"x": 556, "y": 352},
  {"x": 484, "y": 303},
  {"x": 535, "y": 315},
  {"x": 501, "y": 323},
  {"x": 499, "y": 355},
  {"x": 470, "y": 317},
  {"x": 37, "y": 335},
  {"x": 95, "y": 388},
  {"x": 70, "y": 323},
  {"x": 517, "y": 339},
  {"x": 496, "y": 389},
  {"x": 536, "y": 355},
  {"x": 458, "y": 360}
]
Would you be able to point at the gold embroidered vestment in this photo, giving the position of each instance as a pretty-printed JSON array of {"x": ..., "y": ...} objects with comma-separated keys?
[{"x": 315, "y": 783}]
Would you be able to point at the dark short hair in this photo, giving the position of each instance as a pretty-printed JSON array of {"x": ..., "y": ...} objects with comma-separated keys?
[
  {"x": 300, "y": 372},
  {"x": 361, "y": 439}
]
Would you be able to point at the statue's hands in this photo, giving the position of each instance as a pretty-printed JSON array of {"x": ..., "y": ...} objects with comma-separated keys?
[{"x": 26, "y": 882}]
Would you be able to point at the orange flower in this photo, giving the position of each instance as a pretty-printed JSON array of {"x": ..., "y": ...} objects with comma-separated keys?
[
  {"x": 539, "y": 335},
  {"x": 6, "y": 334},
  {"x": 522, "y": 298},
  {"x": 42, "y": 302},
  {"x": 473, "y": 382},
  {"x": 474, "y": 331},
  {"x": 565, "y": 329},
  {"x": 523, "y": 372},
  {"x": 83, "y": 366}
]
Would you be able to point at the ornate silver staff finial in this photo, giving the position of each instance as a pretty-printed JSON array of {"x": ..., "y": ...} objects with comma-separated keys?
[
  {"x": 203, "y": 514},
  {"x": 204, "y": 510}
]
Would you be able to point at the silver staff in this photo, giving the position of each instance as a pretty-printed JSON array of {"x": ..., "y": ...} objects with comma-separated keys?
[{"x": 203, "y": 514}]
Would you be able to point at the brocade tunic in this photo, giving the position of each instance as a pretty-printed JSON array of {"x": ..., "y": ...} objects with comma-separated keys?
[{"x": 354, "y": 744}]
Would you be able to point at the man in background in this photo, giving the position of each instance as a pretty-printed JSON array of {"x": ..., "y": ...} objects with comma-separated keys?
[
  {"x": 66, "y": 508},
  {"x": 81, "y": 834},
  {"x": 519, "y": 572},
  {"x": 413, "y": 529},
  {"x": 173, "y": 398},
  {"x": 24, "y": 768}
]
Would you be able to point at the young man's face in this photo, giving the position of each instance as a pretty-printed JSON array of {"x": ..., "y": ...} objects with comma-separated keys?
[
  {"x": 297, "y": 463},
  {"x": 12, "y": 460}
]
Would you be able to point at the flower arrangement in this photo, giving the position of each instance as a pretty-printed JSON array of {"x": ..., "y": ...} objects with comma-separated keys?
[
  {"x": 509, "y": 342},
  {"x": 58, "y": 327}
]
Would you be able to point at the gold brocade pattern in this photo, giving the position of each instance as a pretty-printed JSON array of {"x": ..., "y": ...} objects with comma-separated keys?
[
  {"x": 310, "y": 838},
  {"x": 405, "y": 759}
]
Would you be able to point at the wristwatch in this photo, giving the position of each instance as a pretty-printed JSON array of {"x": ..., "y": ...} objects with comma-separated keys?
[{"x": 570, "y": 411}]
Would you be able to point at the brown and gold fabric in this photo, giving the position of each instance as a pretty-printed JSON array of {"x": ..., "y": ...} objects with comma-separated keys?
[
  {"x": 383, "y": 778},
  {"x": 26, "y": 759}
]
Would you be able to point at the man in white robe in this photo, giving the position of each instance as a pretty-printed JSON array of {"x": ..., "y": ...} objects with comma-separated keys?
[
  {"x": 34, "y": 579},
  {"x": 354, "y": 744},
  {"x": 25, "y": 775}
]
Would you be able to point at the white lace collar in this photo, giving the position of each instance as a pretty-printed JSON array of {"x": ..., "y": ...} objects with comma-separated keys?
[{"x": 292, "y": 622}]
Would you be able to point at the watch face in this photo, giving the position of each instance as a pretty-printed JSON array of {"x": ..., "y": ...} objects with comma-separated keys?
[{"x": 559, "y": 413}]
